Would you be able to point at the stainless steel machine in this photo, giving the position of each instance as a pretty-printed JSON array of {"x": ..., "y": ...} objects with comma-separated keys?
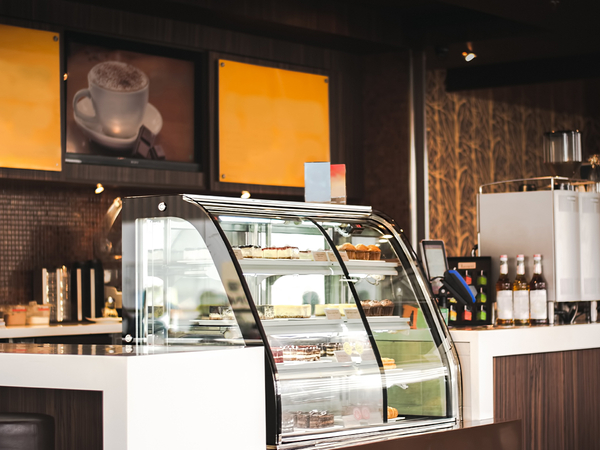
[{"x": 555, "y": 217}]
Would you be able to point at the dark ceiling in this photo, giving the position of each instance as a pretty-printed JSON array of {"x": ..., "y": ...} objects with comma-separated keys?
[
  {"x": 500, "y": 31},
  {"x": 516, "y": 41}
]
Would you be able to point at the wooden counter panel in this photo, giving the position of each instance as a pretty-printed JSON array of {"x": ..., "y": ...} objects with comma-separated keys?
[
  {"x": 556, "y": 395},
  {"x": 77, "y": 414}
]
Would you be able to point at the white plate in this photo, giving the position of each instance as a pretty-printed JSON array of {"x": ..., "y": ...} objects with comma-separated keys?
[
  {"x": 92, "y": 129},
  {"x": 105, "y": 319}
]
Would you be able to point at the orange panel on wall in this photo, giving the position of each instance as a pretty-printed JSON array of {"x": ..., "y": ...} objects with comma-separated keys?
[
  {"x": 29, "y": 99},
  {"x": 271, "y": 121}
]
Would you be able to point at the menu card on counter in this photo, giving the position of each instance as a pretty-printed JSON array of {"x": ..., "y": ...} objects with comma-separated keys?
[
  {"x": 333, "y": 314},
  {"x": 320, "y": 256}
]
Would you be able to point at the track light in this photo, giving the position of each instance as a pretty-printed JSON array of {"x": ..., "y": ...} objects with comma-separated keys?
[
  {"x": 245, "y": 194},
  {"x": 99, "y": 189},
  {"x": 469, "y": 55}
]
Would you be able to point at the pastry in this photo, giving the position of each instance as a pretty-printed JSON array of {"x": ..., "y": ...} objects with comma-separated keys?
[
  {"x": 387, "y": 307},
  {"x": 349, "y": 249},
  {"x": 320, "y": 308},
  {"x": 362, "y": 252},
  {"x": 277, "y": 354},
  {"x": 376, "y": 308},
  {"x": 374, "y": 253},
  {"x": 270, "y": 252},
  {"x": 388, "y": 363},
  {"x": 392, "y": 413},
  {"x": 291, "y": 311},
  {"x": 366, "y": 306},
  {"x": 306, "y": 255},
  {"x": 314, "y": 419}
]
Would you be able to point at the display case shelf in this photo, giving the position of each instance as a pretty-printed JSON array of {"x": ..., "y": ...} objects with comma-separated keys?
[
  {"x": 261, "y": 266},
  {"x": 383, "y": 323},
  {"x": 302, "y": 326},
  {"x": 414, "y": 373}
]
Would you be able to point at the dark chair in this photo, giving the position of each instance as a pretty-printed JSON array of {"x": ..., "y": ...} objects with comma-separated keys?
[{"x": 25, "y": 431}]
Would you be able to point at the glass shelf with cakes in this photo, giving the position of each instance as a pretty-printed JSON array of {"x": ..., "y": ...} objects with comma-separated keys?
[{"x": 353, "y": 339}]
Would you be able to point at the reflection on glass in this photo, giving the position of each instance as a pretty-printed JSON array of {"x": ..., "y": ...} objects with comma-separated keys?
[
  {"x": 416, "y": 376},
  {"x": 183, "y": 298},
  {"x": 329, "y": 376}
]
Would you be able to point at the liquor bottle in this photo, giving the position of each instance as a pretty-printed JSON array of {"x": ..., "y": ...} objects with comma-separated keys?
[
  {"x": 520, "y": 289},
  {"x": 504, "y": 296},
  {"x": 538, "y": 298}
]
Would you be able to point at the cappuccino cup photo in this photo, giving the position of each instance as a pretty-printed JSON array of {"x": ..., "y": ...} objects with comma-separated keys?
[{"x": 119, "y": 95}]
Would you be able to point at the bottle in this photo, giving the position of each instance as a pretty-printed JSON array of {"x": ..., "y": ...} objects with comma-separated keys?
[
  {"x": 468, "y": 278},
  {"x": 452, "y": 311},
  {"x": 481, "y": 312},
  {"x": 467, "y": 314},
  {"x": 538, "y": 298},
  {"x": 504, "y": 295},
  {"x": 443, "y": 304},
  {"x": 520, "y": 289},
  {"x": 481, "y": 295},
  {"x": 482, "y": 278}
]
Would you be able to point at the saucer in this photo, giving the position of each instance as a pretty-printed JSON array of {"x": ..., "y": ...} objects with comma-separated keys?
[{"x": 152, "y": 120}]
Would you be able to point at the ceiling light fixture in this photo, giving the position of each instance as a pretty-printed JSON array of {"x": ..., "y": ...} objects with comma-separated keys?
[
  {"x": 245, "y": 194},
  {"x": 469, "y": 55},
  {"x": 99, "y": 189}
]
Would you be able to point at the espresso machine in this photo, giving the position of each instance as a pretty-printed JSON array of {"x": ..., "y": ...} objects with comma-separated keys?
[{"x": 555, "y": 216}]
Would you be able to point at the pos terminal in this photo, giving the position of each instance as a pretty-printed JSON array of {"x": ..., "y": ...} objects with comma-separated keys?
[{"x": 444, "y": 283}]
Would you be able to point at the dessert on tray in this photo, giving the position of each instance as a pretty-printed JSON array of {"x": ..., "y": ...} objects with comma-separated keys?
[
  {"x": 291, "y": 311},
  {"x": 374, "y": 253}
]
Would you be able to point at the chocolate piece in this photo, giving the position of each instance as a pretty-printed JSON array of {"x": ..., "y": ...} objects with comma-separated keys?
[
  {"x": 144, "y": 143},
  {"x": 157, "y": 152}
]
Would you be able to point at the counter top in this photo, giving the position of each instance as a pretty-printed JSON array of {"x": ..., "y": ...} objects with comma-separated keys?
[
  {"x": 183, "y": 397},
  {"x": 478, "y": 347},
  {"x": 56, "y": 329}
]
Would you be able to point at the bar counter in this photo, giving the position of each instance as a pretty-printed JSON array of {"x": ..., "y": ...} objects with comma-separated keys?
[{"x": 547, "y": 376}]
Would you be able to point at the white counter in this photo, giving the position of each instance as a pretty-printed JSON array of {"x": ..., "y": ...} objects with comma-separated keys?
[
  {"x": 477, "y": 349},
  {"x": 55, "y": 329},
  {"x": 155, "y": 401}
]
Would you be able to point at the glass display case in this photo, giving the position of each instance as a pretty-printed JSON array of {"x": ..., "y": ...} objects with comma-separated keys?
[{"x": 356, "y": 349}]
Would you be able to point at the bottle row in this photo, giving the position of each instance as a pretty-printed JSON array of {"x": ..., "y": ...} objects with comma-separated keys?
[{"x": 522, "y": 301}]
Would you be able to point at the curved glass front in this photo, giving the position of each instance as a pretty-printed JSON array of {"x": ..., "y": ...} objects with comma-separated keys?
[
  {"x": 396, "y": 308},
  {"x": 329, "y": 376},
  {"x": 181, "y": 287}
]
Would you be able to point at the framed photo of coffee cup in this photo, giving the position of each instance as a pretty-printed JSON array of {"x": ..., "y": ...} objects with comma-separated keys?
[{"x": 132, "y": 104}]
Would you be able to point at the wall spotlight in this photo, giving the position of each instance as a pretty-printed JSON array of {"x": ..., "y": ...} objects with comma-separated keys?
[
  {"x": 99, "y": 189},
  {"x": 245, "y": 194},
  {"x": 469, "y": 55}
]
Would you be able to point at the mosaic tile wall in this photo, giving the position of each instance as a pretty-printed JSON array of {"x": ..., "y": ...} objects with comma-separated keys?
[
  {"x": 43, "y": 225},
  {"x": 478, "y": 137}
]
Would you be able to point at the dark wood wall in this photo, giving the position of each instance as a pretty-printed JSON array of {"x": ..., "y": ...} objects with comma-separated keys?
[
  {"x": 369, "y": 104},
  {"x": 556, "y": 395},
  {"x": 487, "y": 135}
]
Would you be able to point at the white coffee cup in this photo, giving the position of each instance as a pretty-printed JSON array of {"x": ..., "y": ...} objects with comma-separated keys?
[{"x": 119, "y": 94}]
